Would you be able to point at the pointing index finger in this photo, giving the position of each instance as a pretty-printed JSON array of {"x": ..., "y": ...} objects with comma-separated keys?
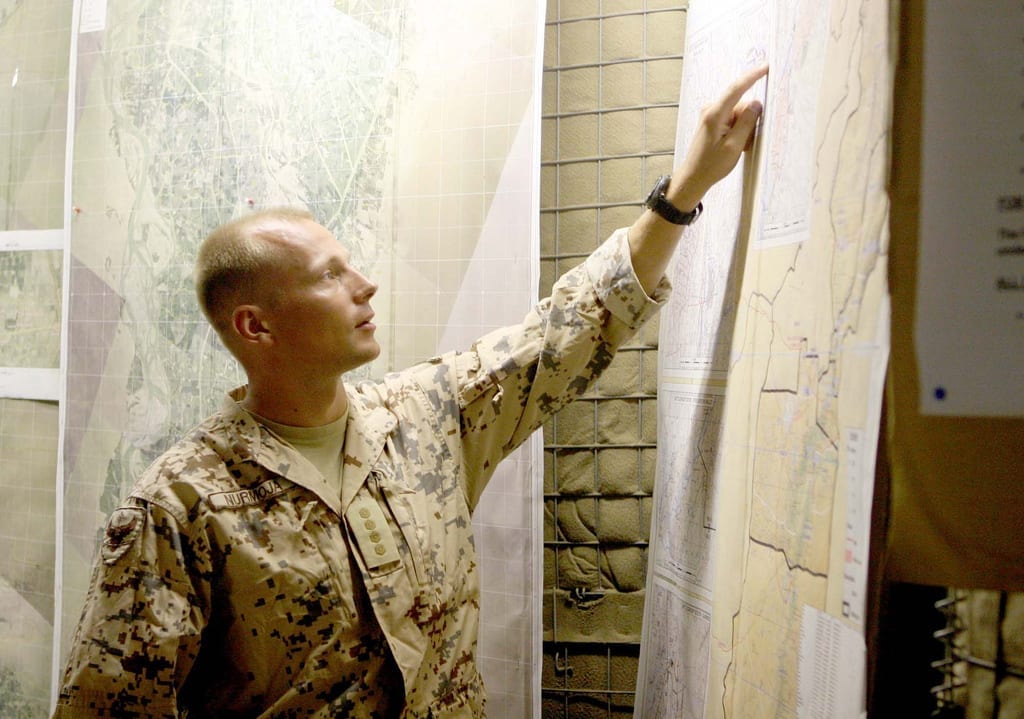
[{"x": 741, "y": 85}]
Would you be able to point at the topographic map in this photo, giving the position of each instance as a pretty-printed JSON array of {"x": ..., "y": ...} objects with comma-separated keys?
[
  {"x": 779, "y": 329},
  {"x": 34, "y": 40},
  {"x": 188, "y": 115},
  {"x": 191, "y": 113},
  {"x": 408, "y": 129},
  {"x": 30, "y": 308}
]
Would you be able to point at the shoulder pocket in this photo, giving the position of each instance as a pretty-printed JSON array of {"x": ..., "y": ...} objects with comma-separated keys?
[{"x": 123, "y": 527}]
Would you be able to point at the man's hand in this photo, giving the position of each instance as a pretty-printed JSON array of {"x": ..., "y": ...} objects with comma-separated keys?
[{"x": 726, "y": 128}]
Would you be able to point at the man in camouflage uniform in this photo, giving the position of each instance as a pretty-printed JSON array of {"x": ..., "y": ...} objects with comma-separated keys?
[{"x": 307, "y": 550}]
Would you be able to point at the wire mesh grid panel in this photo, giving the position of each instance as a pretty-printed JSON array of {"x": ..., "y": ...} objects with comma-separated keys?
[
  {"x": 589, "y": 681},
  {"x": 611, "y": 91}
]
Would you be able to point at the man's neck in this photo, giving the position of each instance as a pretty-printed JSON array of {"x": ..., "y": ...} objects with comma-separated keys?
[{"x": 305, "y": 407}]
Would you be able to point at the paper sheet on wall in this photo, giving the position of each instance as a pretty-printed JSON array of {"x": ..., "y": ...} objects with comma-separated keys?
[
  {"x": 955, "y": 500},
  {"x": 828, "y": 649},
  {"x": 772, "y": 359},
  {"x": 970, "y": 281},
  {"x": 694, "y": 353},
  {"x": 94, "y": 16}
]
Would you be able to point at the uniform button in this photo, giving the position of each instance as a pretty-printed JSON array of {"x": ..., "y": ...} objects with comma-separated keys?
[
  {"x": 379, "y": 549},
  {"x": 374, "y": 537},
  {"x": 370, "y": 524},
  {"x": 364, "y": 512}
]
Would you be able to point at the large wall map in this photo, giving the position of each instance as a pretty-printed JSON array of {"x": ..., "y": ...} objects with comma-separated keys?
[
  {"x": 380, "y": 116},
  {"x": 780, "y": 320},
  {"x": 34, "y": 40}
]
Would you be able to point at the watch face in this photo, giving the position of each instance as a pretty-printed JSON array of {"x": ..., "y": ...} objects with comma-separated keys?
[{"x": 658, "y": 190}]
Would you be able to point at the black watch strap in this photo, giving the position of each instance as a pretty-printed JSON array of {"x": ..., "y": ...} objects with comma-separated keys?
[{"x": 657, "y": 202}]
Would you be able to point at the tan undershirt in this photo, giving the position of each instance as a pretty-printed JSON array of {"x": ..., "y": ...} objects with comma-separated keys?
[{"x": 320, "y": 445}]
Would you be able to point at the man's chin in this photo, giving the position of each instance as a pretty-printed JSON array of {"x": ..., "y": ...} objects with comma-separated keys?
[{"x": 363, "y": 358}]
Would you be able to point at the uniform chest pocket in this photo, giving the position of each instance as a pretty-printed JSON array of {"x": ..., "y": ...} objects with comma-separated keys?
[
  {"x": 286, "y": 561},
  {"x": 406, "y": 509}
]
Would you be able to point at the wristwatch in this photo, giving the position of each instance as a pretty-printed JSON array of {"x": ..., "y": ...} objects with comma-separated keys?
[{"x": 660, "y": 204}]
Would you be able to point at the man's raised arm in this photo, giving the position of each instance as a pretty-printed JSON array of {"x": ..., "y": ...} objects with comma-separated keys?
[{"x": 725, "y": 129}]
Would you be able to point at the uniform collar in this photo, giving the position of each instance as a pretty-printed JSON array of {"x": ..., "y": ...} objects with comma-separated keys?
[
  {"x": 365, "y": 435},
  {"x": 253, "y": 442},
  {"x": 369, "y": 425}
]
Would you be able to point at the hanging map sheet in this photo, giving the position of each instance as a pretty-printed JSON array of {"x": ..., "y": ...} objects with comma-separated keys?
[
  {"x": 407, "y": 129},
  {"x": 772, "y": 359}
]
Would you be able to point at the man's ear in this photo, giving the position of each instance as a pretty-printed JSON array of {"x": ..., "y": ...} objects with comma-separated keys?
[{"x": 247, "y": 323}]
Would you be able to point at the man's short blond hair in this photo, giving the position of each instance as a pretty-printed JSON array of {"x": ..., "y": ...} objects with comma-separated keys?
[{"x": 233, "y": 259}]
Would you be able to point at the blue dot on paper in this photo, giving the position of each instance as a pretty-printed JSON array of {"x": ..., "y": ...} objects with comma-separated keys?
[{"x": 940, "y": 393}]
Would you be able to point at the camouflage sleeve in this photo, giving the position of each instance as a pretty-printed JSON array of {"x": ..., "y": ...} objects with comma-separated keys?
[
  {"x": 139, "y": 631},
  {"x": 514, "y": 378}
]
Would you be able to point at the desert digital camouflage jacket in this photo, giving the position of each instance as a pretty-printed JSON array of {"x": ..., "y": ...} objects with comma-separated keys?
[{"x": 234, "y": 583}]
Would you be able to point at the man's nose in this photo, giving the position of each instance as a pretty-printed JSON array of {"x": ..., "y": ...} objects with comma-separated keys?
[{"x": 365, "y": 288}]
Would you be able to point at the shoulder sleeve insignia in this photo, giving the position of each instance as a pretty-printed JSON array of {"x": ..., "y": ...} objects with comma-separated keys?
[{"x": 123, "y": 527}]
